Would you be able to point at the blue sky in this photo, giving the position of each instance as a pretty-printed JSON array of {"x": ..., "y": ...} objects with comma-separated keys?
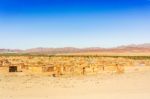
[{"x": 73, "y": 23}]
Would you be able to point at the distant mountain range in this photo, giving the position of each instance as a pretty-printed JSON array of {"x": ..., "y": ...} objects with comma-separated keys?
[{"x": 139, "y": 48}]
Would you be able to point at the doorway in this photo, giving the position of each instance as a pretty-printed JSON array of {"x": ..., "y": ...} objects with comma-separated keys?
[{"x": 12, "y": 68}]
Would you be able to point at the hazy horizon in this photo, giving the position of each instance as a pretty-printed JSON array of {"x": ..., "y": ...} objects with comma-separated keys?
[
  {"x": 73, "y": 23},
  {"x": 123, "y": 45}
]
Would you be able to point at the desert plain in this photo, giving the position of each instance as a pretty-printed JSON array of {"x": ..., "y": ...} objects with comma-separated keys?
[{"x": 94, "y": 77}]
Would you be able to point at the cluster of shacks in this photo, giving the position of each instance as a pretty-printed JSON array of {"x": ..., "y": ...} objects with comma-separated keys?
[{"x": 65, "y": 65}]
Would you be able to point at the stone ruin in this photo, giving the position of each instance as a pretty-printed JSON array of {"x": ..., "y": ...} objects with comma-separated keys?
[{"x": 65, "y": 65}]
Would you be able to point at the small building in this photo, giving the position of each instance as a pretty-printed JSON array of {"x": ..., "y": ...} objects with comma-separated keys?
[
  {"x": 10, "y": 69},
  {"x": 34, "y": 70},
  {"x": 49, "y": 69}
]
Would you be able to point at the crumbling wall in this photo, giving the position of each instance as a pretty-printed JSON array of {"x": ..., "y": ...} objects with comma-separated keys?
[{"x": 63, "y": 65}]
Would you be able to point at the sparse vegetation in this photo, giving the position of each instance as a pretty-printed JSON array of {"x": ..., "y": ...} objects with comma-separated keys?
[{"x": 69, "y": 64}]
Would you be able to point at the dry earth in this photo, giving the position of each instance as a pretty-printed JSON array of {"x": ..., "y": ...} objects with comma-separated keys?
[{"x": 102, "y": 86}]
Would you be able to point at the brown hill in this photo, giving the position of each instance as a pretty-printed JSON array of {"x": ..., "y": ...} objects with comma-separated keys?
[{"x": 141, "y": 48}]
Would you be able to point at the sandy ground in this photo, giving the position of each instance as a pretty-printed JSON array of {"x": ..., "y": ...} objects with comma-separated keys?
[{"x": 131, "y": 85}]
